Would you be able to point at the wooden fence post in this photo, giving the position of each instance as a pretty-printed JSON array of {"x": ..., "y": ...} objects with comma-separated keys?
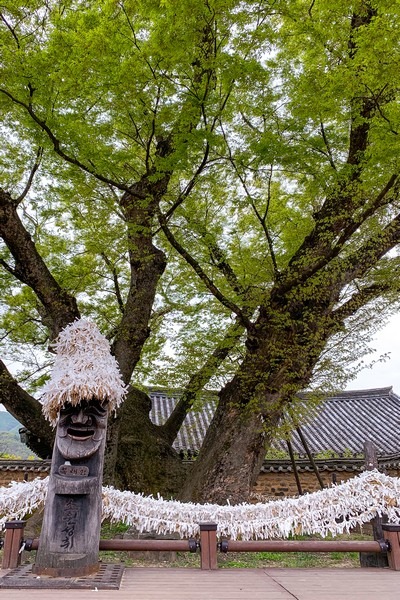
[
  {"x": 208, "y": 546},
  {"x": 12, "y": 544},
  {"x": 392, "y": 535}
]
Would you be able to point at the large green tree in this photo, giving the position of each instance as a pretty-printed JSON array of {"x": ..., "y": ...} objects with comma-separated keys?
[{"x": 216, "y": 184}]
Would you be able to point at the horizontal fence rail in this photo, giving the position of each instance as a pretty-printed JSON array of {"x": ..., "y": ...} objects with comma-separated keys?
[
  {"x": 129, "y": 545},
  {"x": 209, "y": 545},
  {"x": 303, "y": 546}
]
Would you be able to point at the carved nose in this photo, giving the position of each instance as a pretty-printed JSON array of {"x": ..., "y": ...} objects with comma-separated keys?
[{"x": 80, "y": 418}]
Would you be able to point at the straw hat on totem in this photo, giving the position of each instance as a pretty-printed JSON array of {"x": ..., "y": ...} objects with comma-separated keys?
[{"x": 84, "y": 369}]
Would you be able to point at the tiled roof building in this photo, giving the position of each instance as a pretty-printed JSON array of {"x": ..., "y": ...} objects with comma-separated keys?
[{"x": 342, "y": 423}]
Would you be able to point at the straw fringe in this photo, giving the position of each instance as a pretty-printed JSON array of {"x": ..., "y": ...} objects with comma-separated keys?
[{"x": 84, "y": 369}]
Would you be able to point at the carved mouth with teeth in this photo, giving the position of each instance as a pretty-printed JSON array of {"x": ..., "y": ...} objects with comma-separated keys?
[{"x": 80, "y": 433}]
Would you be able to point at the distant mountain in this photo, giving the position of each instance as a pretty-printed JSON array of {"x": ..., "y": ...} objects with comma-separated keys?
[
  {"x": 8, "y": 423},
  {"x": 11, "y": 447},
  {"x": 10, "y": 444}
]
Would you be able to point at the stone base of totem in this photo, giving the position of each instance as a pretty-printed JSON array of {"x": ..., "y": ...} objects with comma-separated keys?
[
  {"x": 108, "y": 577},
  {"x": 72, "y": 567}
]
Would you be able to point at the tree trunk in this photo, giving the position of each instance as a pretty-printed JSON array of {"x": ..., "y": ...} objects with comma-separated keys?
[
  {"x": 231, "y": 456},
  {"x": 279, "y": 362},
  {"x": 145, "y": 461}
]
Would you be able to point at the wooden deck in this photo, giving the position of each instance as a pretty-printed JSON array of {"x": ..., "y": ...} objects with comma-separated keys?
[{"x": 235, "y": 584}]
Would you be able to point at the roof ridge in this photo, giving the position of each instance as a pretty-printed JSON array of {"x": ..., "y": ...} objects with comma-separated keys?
[{"x": 373, "y": 392}]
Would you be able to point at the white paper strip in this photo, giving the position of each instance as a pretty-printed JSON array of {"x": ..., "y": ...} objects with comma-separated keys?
[{"x": 332, "y": 511}]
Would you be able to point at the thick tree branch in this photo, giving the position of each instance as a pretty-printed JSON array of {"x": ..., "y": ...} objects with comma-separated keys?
[
  {"x": 382, "y": 199},
  {"x": 364, "y": 258},
  {"x": 26, "y": 409},
  {"x": 199, "y": 379},
  {"x": 310, "y": 247},
  {"x": 338, "y": 210},
  {"x": 30, "y": 268},
  {"x": 147, "y": 263},
  {"x": 385, "y": 196},
  {"x": 358, "y": 300}
]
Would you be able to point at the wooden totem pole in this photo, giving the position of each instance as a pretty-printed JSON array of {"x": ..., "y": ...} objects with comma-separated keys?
[{"x": 85, "y": 386}]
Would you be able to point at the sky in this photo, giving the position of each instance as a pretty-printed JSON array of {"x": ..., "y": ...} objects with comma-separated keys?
[{"x": 382, "y": 374}]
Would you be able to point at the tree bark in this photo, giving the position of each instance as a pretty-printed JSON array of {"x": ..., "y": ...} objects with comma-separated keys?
[
  {"x": 146, "y": 461},
  {"x": 230, "y": 458},
  {"x": 147, "y": 264}
]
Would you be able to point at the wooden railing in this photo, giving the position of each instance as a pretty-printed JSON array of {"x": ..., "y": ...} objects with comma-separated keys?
[{"x": 209, "y": 546}]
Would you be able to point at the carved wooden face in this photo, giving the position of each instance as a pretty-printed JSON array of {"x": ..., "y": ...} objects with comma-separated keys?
[{"x": 81, "y": 429}]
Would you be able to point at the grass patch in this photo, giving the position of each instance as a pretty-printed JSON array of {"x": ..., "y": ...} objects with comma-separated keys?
[
  {"x": 294, "y": 560},
  {"x": 113, "y": 530},
  {"x": 239, "y": 560}
]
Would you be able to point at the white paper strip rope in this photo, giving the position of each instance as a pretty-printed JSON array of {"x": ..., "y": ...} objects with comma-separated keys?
[{"x": 334, "y": 510}]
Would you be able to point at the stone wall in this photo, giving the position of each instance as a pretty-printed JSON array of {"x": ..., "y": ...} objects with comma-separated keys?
[
  {"x": 284, "y": 484},
  {"x": 276, "y": 479},
  {"x": 22, "y": 470}
]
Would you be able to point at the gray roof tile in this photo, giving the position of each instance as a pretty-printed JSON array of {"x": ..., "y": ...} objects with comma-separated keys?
[{"x": 343, "y": 422}]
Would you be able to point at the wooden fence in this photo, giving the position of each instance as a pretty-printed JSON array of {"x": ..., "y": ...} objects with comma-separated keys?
[{"x": 209, "y": 546}]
